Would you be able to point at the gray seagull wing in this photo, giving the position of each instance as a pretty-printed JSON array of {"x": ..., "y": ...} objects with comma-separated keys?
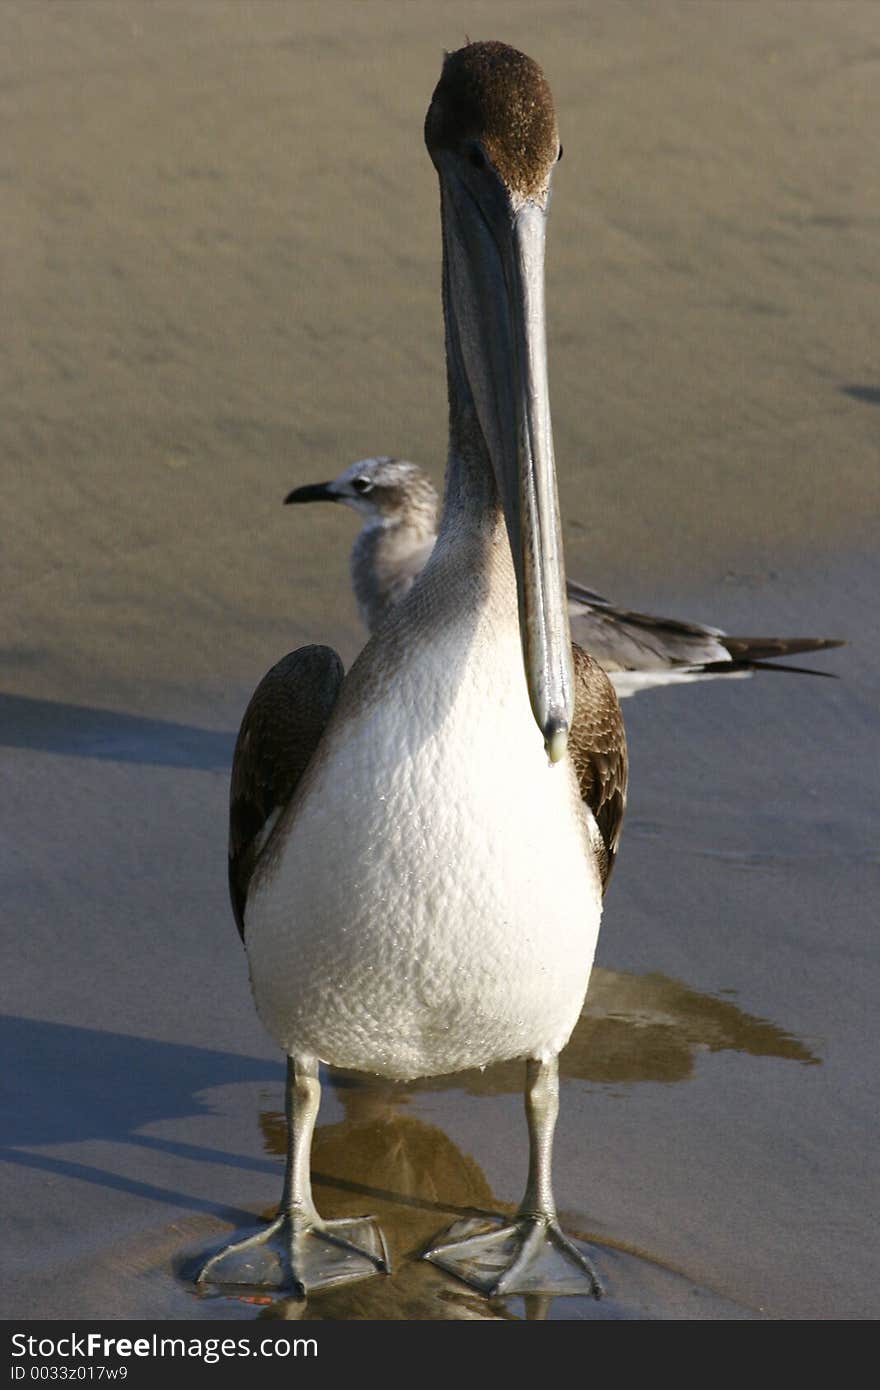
[{"x": 623, "y": 639}]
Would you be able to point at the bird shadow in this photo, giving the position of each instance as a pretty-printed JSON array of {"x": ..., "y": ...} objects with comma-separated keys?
[
  {"x": 71, "y": 1085},
  {"x": 87, "y": 731},
  {"x": 869, "y": 395}
]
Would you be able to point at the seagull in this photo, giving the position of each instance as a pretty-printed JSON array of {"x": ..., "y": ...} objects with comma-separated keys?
[
  {"x": 400, "y": 508},
  {"x": 419, "y": 848}
]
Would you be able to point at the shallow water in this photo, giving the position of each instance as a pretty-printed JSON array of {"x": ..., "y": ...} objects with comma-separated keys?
[
  {"x": 377, "y": 1149},
  {"x": 188, "y": 337}
]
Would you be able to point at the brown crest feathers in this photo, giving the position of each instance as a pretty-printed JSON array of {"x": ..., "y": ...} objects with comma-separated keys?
[{"x": 495, "y": 95}]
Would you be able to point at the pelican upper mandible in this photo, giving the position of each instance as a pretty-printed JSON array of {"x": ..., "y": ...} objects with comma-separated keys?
[{"x": 418, "y": 850}]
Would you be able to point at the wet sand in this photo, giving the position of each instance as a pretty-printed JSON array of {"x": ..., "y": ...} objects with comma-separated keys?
[{"x": 221, "y": 253}]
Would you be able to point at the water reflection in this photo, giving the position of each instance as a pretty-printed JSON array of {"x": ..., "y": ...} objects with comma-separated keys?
[
  {"x": 651, "y": 1028},
  {"x": 407, "y": 1172},
  {"x": 642, "y": 1028},
  {"x": 411, "y": 1176}
]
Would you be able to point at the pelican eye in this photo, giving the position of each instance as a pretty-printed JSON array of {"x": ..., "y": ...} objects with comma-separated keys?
[{"x": 362, "y": 485}]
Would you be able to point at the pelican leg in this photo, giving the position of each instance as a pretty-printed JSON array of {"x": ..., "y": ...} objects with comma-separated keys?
[
  {"x": 300, "y": 1251},
  {"x": 531, "y": 1254}
]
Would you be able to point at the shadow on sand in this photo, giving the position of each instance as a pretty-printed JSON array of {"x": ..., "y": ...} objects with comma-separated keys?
[{"x": 85, "y": 731}]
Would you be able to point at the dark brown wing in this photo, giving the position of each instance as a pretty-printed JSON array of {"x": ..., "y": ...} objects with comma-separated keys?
[
  {"x": 597, "y": 744},
  {"x": 280, "y": 731}
]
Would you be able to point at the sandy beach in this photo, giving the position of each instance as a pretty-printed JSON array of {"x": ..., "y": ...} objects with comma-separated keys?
[{"x": 221, "y": 260}]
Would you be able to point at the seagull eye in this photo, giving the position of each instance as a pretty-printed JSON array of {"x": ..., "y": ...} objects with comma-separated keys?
[
  {"x": 476, "y": 157},
  {"x": 362, "y": 485}
]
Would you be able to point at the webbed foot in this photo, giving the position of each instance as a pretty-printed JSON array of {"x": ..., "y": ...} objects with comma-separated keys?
[
  {"x": 528, "y": 1255},
  {"x": 301, "y": 1257}
]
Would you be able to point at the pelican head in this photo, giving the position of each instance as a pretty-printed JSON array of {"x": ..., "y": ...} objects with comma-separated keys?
[{"x": 492, "y": 135}]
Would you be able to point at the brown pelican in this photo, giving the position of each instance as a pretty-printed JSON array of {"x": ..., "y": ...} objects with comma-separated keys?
[
  {"x": 400, "y": 508},
  {"x": 418, "y": 851}
]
